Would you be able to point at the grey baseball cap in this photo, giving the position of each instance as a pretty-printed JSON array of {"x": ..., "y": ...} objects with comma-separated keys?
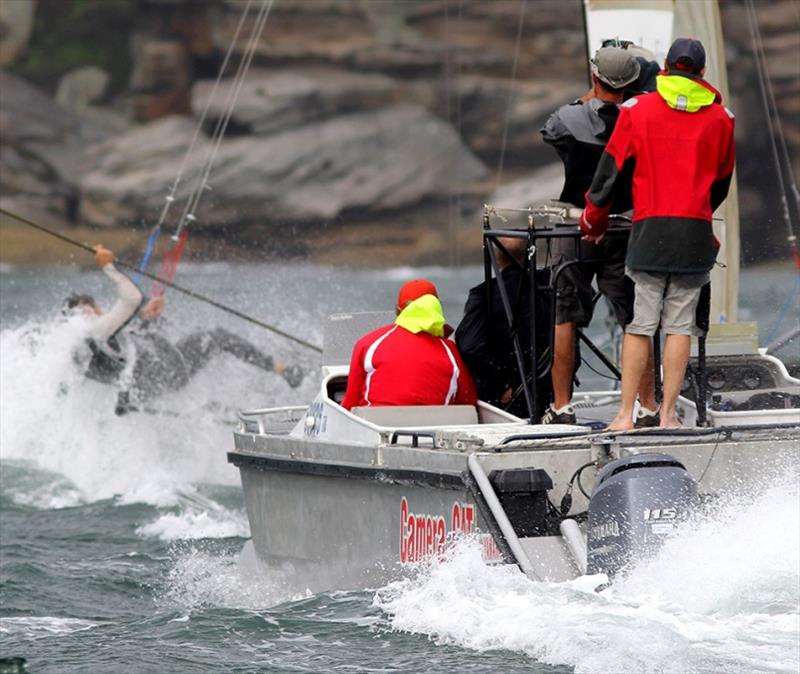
[{"x": 615, "y": 67}]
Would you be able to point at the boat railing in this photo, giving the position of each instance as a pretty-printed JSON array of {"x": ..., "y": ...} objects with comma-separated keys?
[
  {"x": 500, "y": 517},
  {"x": 258, "y": 420}
]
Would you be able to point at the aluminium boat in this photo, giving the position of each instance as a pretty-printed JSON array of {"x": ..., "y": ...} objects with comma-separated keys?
[
  {"x": 347, "y": 499},
  {"x": 350, "y": 499}
]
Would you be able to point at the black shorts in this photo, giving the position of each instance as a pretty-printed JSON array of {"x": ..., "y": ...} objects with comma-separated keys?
[{"x": 604, "y": 262}]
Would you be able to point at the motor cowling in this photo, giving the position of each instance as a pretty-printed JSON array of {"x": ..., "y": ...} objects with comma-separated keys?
[{"x": 635, "y": 505}]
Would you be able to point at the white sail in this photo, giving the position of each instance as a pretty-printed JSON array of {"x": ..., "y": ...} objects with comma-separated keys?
[{"x": 654, "y": 24}]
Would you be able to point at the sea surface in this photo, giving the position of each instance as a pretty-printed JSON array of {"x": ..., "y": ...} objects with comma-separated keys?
[{"x": 120, "y": 536}]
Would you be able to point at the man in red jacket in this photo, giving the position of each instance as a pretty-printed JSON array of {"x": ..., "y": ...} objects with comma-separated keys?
[
  {"x": 680, "y": 141},
  {"x": 409, "y": 362}
]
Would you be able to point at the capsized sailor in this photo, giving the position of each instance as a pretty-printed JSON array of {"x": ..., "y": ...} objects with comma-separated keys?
[{"x": 141, "y": 360}]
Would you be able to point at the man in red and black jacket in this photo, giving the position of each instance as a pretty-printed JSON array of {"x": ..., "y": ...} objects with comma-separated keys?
[{"x": 679, "y": 140}]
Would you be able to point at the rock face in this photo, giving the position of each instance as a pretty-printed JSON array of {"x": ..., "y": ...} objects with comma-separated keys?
[
  {"x": 272, "y": 101},
  {"x": 41, "y": 145},
  {"x": 372, "y": 161},
  {"x": 16, "y": 24},
  {"x": 162, "y": 79},
  {"x": 354, "y": 107}
]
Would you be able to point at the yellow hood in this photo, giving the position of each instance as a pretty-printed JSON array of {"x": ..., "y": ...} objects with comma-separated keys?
[
  {"x": 424, "y": 314},
  {"x": 685, "y": 94}
]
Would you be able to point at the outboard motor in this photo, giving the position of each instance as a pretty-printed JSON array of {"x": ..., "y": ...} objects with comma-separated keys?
[{"x": 635, "y": 504}]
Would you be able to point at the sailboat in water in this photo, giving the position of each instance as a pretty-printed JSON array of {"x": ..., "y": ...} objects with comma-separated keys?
[{"x": 350, "y": 497}]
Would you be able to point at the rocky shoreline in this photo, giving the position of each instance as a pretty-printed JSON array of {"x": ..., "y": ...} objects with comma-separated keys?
[
  {"x": 364, "y": 131},
  {"x": 389, "y": 241}
]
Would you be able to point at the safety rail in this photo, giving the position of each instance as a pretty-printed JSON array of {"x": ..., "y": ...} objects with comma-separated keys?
[
  {"x": 259, "y": 417},
  {"x": 499, "y": 514}
]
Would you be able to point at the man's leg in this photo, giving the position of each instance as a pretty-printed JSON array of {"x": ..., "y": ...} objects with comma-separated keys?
[
  {"x": 573, "y": 307},
  {"x": 676, "y": 358},
  {"x": 200, "y": 347},
  {"x": 647, "y": 385},
  {"x": 637, "y": 347},
  {"x": 637, "y": 351},
  {"x": 620, "y": 293},
  {"x": 563, "y": 364},
  {"x": 679, "y": 324}
]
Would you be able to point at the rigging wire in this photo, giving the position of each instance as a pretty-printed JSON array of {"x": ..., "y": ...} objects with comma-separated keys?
[
  {"x": 510, "y": 102},
  {"x": 453, "y": 69},
  {"x": 172, "y": 257},
  {"x": 459, "y": 121},
  {"x": 448, "y": 113},
  {"x": 775, "y": 129},
  {"x": 222, "y": 123},
  {"x": 180, "y": 289},
  {"x": 762, "y": 57},
  {"x": 170, "y": 198}
]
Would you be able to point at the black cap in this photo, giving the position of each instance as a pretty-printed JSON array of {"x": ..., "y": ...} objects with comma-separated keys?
[{"x": 686, "y": 53}]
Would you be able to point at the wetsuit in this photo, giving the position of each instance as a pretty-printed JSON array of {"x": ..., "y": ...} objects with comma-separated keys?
[
  {"x": 109, "y": 355},
  {"x": 146, "y": 364},
  {"x": 486, "y": 341}
]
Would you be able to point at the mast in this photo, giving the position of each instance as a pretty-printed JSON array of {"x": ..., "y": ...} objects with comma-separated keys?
[{"x": 654, "y": 25}]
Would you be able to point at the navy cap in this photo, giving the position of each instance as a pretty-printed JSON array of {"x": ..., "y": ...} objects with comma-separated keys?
[{"x": 688, "y": 53}]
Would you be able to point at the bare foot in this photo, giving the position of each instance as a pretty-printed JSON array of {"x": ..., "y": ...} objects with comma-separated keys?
[{"x": 621, "y": 422}]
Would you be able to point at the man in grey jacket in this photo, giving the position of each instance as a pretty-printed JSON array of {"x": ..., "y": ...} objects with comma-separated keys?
[{"x": 579, "y": 132}]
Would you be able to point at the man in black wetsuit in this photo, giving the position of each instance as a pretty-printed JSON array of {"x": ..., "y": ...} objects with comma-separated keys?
[
  {"x": 486, "y": 342},
  {"x": 579, "y": 132},
  {"x": 143, "y": 362}
]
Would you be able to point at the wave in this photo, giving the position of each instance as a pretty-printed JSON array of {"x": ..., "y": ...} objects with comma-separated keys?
[{"x": 197, "y": 517}]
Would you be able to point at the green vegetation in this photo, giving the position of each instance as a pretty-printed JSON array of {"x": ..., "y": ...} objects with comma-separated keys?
[{"x": 68, "y": 34}]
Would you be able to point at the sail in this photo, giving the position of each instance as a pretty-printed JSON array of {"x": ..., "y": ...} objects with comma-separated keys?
[{"x": 654, "y": 24}]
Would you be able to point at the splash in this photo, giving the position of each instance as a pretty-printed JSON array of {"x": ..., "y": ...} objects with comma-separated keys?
[
  {"x": 723, "y": 595},
  {"x": 65, "y": 424},
  {"x": 201, "y": 577}
]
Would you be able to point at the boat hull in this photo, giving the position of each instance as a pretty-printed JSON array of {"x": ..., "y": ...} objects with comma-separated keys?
[{"x": 353, "y": 516}]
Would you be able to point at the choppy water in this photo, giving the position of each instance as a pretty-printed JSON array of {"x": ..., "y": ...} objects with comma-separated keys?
[{"x": 119, "y": 537}]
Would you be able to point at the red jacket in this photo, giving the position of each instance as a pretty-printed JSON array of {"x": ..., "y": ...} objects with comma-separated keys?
[
  {"x": 680, "y": 140},
  {"x": 394, "y": 366}
]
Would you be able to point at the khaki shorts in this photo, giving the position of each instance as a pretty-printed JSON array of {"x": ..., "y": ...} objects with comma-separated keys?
[{"x": 666, "y": 299}]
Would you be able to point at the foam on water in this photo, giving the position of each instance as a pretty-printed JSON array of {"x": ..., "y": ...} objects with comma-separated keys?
[
  {"x": 32, "y": 627},
  {"x": 201, "y": 578},
  {"x": 197, "y": 517},
  {"x": 723, "y": 595}
]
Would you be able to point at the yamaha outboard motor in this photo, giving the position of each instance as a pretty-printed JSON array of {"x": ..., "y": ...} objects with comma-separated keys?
[{"x": 635, "y": 504}]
